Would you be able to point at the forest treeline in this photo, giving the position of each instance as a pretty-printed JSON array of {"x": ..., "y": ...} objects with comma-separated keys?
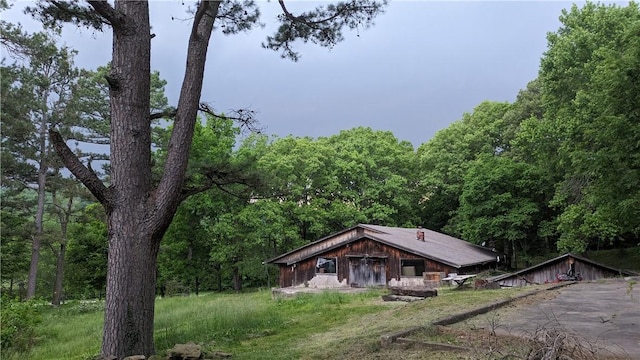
[{"x": 557, "y": 170}]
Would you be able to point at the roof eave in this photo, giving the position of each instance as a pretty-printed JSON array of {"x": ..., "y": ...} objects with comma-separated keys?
[{"x": 275, "y": 259}]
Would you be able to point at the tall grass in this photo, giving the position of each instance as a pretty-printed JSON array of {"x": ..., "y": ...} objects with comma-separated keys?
[
  {"x": 73, "y": 331},
  {"x": 221, "y": 319},
  {"x": 254, "y": 325}
]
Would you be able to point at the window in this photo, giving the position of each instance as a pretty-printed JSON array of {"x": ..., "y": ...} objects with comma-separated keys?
[
  {"x": 411, "y": 267},
  {"x": 326, "y": 265}
]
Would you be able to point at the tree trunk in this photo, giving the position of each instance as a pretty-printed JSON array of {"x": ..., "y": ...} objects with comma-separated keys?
[
  {"x": 137, "y": 214},
  {"x": 218, "y": 268},
  {"x": 33, "y": 267},
  {"x": 58, "y": 289},
  {"x": 42, "y": 178},
  {"x": 547, "y": 247},
  {"x": 131, "y": 265},
  {"x": 128, "y": 327},
  {"x": 237, "y": 278},
  {"x": 63, "y": 216}
]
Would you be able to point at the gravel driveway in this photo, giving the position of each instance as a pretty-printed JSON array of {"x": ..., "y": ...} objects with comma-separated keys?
[{"x": 604, "y": 314}]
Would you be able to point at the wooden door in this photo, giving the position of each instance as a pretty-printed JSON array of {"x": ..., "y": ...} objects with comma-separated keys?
[{"x": 365, "y": 272}]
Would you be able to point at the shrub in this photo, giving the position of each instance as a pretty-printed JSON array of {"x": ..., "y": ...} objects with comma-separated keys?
[
  {"x": 17, "y": 324},
  {"x": 175, "y": 288}
]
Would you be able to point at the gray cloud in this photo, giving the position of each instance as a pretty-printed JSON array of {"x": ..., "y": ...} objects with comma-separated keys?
[{"x": 420, "y": 68}]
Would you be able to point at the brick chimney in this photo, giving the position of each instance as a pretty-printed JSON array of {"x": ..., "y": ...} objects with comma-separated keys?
[{"x": 420, "y": 234}]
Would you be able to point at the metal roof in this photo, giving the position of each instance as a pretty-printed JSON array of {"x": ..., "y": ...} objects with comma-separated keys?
[{"x": 436, "y": 246}]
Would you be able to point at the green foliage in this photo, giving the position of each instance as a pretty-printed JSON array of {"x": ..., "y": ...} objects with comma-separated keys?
[
  {"x": 578, "y": 225},
  {"x": 244, "y": 237},
  {"x": 500, "y": 204},
  {"x": 16, "y": 230},
  {"x": 557, "y": 169},
  {"x": 185, "y": 255},
  {"x": 625, "y": 258},
  {"x": 590, "y": 90},
  {"x": 87, "y": 254},
  {"x": 307, "y": 188},
  {"x": 299, "y": 173},
  {"x": 184, "y": 264},
  {"x": 445, "y": 159},
  {"x": 322, "y": 25},
  {"x": 18, "y": 324},
  {"x": 375, "y": 174}
]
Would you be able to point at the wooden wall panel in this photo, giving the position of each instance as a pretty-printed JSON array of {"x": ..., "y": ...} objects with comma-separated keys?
[
  {"x": 305, "y": 269},
  {"x": 549, "y": 273}
]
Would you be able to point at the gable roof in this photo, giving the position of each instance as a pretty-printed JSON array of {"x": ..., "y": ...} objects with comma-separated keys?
[
  {"x": 436, "y": 246},
  {"x": 557, "y": 259}
]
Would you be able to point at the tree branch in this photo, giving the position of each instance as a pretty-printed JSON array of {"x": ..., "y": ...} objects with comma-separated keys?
[
  {"x": 88, "y": 177},
  {"x": 235, "y": 16},
  {"x": 169, "y": 114},
  {"x": 186, "y": 192},
  {"x": 303, "y": 19},
  {"x": 55, "y": 12},
  {"x": 323, "y": 25},
  {"x": 244, "y": 117},
  {"x": 218, "y": 179},
  {"x": 167, "y": 195},
  {"x": 115, "y": 18}
]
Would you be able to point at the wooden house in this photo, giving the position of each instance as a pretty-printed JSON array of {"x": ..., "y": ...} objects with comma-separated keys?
[
  {"x": 565, "y": 267},
  {"x": 373, "y": 255}
]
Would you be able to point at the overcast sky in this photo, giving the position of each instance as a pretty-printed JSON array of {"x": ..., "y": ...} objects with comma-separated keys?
[{"x": 421, "y": 66}]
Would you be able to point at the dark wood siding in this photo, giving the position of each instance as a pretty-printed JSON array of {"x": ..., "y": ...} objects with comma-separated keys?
[
  {"x": 291, "y": 275},
  {"x": 549, "y": 273}
]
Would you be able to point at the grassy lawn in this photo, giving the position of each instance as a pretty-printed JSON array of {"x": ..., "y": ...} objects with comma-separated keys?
[{"x": 256, "y": 326}]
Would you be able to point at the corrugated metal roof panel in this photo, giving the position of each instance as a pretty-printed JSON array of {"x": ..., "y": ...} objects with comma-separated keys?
[{"x": 438, "y": 246}]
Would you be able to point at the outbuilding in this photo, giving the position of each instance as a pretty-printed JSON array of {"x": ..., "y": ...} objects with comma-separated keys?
[
  {"x": 374, "y": 255},
  {"x": 561, "y": 268}
]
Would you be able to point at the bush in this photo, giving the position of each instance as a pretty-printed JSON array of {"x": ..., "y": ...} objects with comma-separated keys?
[
  {"x": 17, "y": 324},
  {"x": 174, "y": 288}
]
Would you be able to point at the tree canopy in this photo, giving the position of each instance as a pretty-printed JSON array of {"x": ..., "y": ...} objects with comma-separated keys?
[
  {"x": 139, "y": 210},
  {"x": 197, "y": 204}
]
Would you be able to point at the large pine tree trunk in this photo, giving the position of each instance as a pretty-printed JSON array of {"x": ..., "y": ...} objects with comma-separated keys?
[
  {"x": 138, "y": 214},
  {"x": 128, "y": 328}
]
